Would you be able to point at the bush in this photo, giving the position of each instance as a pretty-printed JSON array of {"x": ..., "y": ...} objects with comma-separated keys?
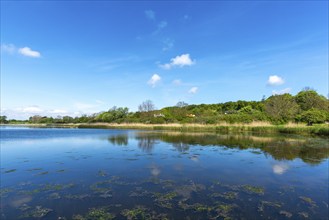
[{"x": 313, "y": 116}]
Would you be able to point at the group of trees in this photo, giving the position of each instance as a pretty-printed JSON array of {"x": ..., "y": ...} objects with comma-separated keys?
[{"x": 306, "y": 107}]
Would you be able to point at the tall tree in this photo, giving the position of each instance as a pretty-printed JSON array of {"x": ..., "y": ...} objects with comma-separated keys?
[
  {"x": 281, "y": 108},
  {"x": 146, "y": 106},
  {"x": 308, "y": 99}
]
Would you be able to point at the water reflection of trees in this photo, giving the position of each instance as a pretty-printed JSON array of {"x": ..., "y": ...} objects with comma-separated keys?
[
  {"x": 146, "y": 142},
  {"x": 310, "y": 150},
  {"x": 120, "y": 139},
  {"x": 181, "y": 147}
]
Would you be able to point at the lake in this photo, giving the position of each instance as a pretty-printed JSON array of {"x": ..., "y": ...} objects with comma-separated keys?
[{"x": 54, "y": 173}]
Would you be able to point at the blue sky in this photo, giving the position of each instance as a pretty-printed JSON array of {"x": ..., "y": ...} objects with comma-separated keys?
[{"x": 71, "y": 58}]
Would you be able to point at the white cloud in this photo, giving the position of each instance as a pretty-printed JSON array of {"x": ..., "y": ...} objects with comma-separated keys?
[
  {"x": 154, "y": 80},
  {"x": 180, "y": 61},
  {"x": 177, "y": 82},
  {"x": 280, "y": 92},
  {"x": 26, "y": 51},
  {"x": 150, "y": 14},
  {"x": 275, "y": 80},
  {"x": 8, "y": 48},
  {"x": 193, "y": 90},
  {"x": 31, "y": 109},
  {"x": 58, "y": 111}
]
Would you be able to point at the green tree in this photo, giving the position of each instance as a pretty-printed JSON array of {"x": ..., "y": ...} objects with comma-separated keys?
[
  {"x": 3, "y": 119},
  {"x": 308, "y": 99},
  {"x": 281, "y": 108},
  {"x": 313, "y": 116}
]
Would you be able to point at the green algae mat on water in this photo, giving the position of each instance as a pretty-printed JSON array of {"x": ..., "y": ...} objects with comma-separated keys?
[{"x": 91, "y": 174}]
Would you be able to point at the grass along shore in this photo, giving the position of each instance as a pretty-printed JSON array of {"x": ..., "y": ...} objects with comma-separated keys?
[{"x": 255, "y": 127}]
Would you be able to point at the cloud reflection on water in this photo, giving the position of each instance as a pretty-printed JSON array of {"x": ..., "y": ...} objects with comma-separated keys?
[{"x": 280, "y": 168}]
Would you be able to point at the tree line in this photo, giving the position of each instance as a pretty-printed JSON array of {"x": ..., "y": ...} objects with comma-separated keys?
[{"x": 306, "y": 107}]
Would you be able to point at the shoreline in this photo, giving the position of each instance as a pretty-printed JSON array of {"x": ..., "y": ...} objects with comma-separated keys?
[{"x": 320, "y": 130}]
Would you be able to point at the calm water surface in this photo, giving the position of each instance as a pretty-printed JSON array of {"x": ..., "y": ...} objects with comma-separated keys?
[{"x": 53, "y": 173}]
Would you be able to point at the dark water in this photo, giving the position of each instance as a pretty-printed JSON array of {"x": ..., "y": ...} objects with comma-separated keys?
[{"x": 125, "y": 174}]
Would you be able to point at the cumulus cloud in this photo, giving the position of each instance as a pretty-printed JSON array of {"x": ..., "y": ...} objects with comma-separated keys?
[
  {"x": 180, "y": 61},
  {"x": 26, "y": 51},
  {"x": 280, "y": 92},
  {"x": 275, "y": 80},
  {"x": 8, "y": 48},
  {"x": 150, "y": 14},
  {"x": 154, "y": 80},
  {"x": 193, "y": 90}
]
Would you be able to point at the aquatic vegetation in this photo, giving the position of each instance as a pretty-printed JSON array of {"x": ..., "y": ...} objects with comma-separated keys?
[
  {"x": 48, "y": 187},
  {"x": 186, "y": 190},
  {"x": 34, "y": 169},
  {"x": 42, "y": 173},
  {"x": 201, "y": 208},
  {"x": 136, "y": 213},
  {"x": 164, "y": 200},
  {"x": 224, "y": 210},
  {"x": 102, "y": 173},
  {"x": 285, "y": 213},
  {"x": 38, "y": 212},
  {"x": 10, "y": 171},
  {"x": 54, "y": 196},
  {"x": 102, "y": 189},
  {"x": 303, "y": 214},
  {"x": 308, "y": 201},
  {"x": 226, "y": 195},
  {"x": 264, "y": 204},
  {"x": 24, "y": 207},
  {"x": 79, "y": 196},
  {"x": 254, "y": 189},
  {"x": 139, "y": 192},
  {"x": 4, "y": 192},
  {"x": 99, "y": 214}
]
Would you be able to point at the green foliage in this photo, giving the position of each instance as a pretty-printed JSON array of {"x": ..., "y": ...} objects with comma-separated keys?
[
  {"x": 307, "y": 106},
  {"x": 113, "y": 115},
  {"x": 313, "y": 116},
  {"x": 281, "y": 108},
  {"x": 3, "y": 119},
  {"x": 308, "y": 99}
]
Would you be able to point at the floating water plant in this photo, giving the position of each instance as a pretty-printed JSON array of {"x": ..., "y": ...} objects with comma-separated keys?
[
  {"x": 38, "y": 212},
  {"x": 4, "y": 192},
  {"x": 10, "y": 171},
  {"x": 254, "y": 189},
  {"x": 99, "y": 214},
  {"x": 264, "y": 204},
  {"x": 164, "y": 200},
  {"x": 102, "y": 173},
  {"x": 303, "y": 214},
  {"x": 308, "y": 201},
  {"x": 285, "y": 213},
  {"x": 201, "y": 208},
  {"x": 135, "y": 213},
  {"x": 42, "y": 173}
]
